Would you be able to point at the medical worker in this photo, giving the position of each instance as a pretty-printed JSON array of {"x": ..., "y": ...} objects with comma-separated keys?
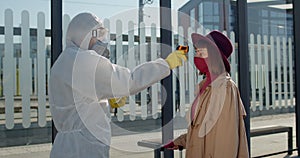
[{"x": 83, "y": 81}]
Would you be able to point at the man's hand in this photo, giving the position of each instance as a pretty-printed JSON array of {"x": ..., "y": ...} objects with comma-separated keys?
[
  {"x": 117, "y": 102},
  {"x": 175, "y": 58}
]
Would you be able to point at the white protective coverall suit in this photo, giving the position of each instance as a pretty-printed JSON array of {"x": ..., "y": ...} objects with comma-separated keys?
[{"x": 81, "y": 81}]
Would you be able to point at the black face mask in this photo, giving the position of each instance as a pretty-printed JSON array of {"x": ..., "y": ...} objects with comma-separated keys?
[{"x": 101, "y": 49}]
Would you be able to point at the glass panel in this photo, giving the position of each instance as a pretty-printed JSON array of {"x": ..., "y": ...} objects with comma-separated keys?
[
  {"x": 134, "y": 29},
  {"x": 134, "y": 38},
  {"x": 272, "y": 73},
  {"x": 192, "y": 18},
  {"x": 25, "y": 42}
]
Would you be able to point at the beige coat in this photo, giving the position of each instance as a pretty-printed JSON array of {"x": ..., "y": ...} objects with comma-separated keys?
[{"x": 227, "y": 137}]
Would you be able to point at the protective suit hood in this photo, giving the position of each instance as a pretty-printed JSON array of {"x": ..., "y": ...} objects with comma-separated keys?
[{"x": 79, "y": 31}]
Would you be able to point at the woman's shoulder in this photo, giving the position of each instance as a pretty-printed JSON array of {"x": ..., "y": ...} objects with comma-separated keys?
[
  {"x": 230, "y": 82},
  {"x": 201, "y": 82}
]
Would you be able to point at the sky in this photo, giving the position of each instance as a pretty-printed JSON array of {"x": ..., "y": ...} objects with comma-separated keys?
[{"x": 125, "y": 10}]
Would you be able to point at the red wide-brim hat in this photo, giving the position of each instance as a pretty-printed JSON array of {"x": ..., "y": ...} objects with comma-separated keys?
[{"x": 219, "y": 41}]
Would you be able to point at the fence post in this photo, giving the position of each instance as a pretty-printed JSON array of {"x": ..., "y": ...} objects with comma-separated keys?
[{"x": 9, "y": 70}]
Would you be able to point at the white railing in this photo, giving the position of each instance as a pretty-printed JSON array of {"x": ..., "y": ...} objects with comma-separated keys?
[
  {"x": 24, "y": 78},
  {"x": 24, "y": 72},
  {"x": 271, "y": 72}
]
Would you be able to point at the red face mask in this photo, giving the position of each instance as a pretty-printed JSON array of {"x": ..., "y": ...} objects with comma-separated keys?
[{"x": 201, "y": 65}]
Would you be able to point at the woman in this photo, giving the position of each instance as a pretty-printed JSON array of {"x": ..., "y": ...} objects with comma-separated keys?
[{"x": 216, "y": 127}]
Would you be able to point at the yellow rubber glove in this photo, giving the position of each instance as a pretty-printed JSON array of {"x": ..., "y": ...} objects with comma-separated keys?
[
  {"x": 175, "y": 58},
  {"x": 117, "y": 102}
]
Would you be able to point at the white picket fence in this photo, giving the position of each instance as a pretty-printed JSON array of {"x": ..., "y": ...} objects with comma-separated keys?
[{"x": 24, "y": 79}]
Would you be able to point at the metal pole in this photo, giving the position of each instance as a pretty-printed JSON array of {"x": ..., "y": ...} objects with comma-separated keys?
[
  {"x": 56, "y": 39},
  {"x": 243, "y": 60},
  {"x": 141, "y": 15},
  {"x": 166, "y": 48},
  {"x": 296, "y": 12},
  {"x": 141, "y": 12}
]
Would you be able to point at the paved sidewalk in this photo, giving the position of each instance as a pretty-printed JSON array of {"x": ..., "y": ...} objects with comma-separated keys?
[{"x": 126, "y": 146}]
